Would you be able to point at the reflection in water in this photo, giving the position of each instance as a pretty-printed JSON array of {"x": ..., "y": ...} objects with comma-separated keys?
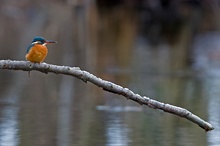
[
  {"x": 116, "y": 131},
  {"x": 8, "y": 126},
  {"x": 213, "y": 92},
  {"x": 207, "y": 60},
  {"x": 119, "y": 108},
  {"x": 64, "y": 112}
]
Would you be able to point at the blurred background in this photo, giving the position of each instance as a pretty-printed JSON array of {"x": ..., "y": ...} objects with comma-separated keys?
[{"x": 168, "y": 50}]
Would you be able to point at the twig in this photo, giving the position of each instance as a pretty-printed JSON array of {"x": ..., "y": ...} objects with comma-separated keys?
[{"x": 106, "y": 85}]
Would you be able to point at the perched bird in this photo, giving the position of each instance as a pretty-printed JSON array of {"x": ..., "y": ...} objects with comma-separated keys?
[{"x": 37, "y": 51}]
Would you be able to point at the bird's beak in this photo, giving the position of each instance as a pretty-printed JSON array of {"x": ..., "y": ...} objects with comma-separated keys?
[{"x": 50, "y": 42}]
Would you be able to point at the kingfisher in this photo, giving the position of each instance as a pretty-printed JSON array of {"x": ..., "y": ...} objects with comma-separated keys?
[{"x": 37, "y": 50}]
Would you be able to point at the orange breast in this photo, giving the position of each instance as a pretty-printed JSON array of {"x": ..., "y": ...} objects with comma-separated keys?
[{"x": 37, "y": 53}]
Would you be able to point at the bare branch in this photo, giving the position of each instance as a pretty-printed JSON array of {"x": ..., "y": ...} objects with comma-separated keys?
[{"x": 106, "y": 85}]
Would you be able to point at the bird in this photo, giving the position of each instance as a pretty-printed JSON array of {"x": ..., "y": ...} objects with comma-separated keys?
[{"x": 37, "y": 50}]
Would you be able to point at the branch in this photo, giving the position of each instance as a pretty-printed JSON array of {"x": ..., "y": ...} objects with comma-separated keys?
[{"x": 106, "y": 85}]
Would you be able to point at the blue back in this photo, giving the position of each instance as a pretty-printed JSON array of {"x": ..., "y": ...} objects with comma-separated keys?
[
  {"x": 38, "y": 39},
  {"x": 29, "y": 47}
]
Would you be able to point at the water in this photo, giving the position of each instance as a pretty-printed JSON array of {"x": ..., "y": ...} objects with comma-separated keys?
[{"x": 101, "y": 118}]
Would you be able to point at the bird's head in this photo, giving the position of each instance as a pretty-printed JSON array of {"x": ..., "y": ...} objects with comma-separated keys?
[{"x": 41, "y": 40}]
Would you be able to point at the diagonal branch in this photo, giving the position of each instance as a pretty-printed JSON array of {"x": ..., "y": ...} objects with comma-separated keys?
[{"x": 106, "y": 85}]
